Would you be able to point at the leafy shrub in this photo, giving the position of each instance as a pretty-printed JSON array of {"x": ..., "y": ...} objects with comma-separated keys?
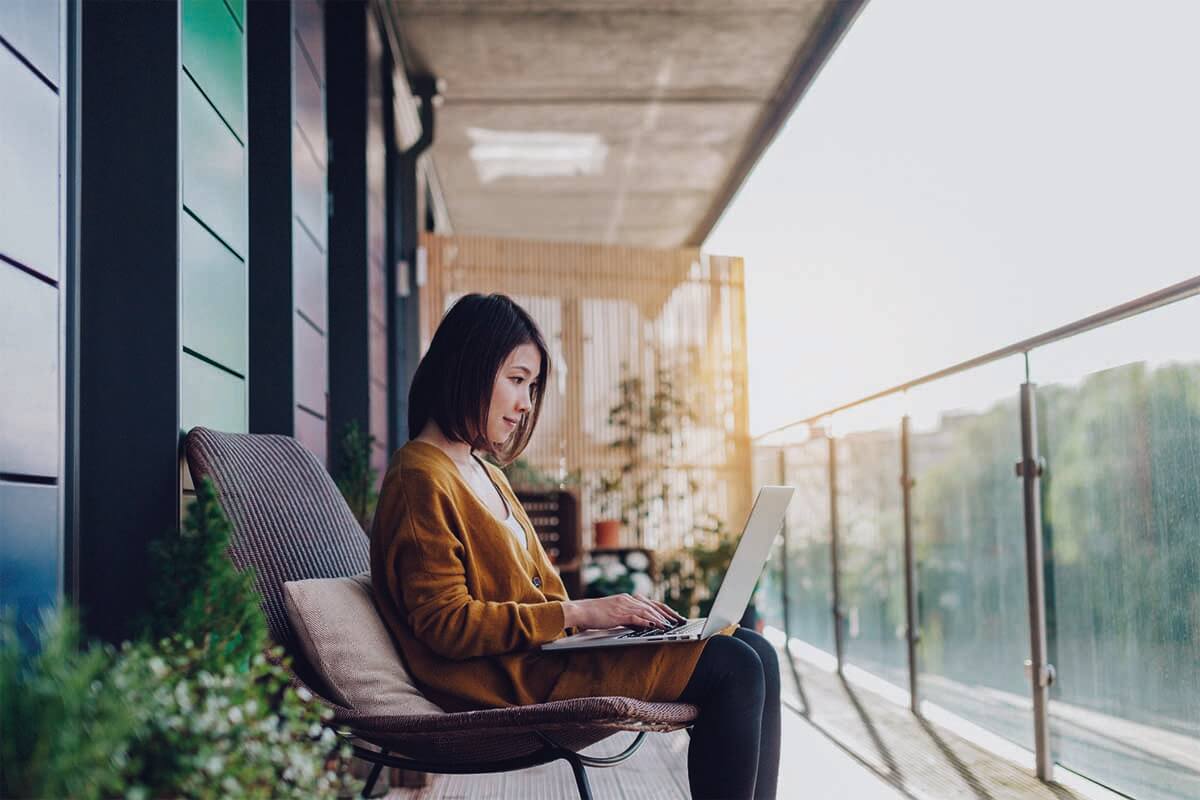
[
  {"x": 63, "y": 732},
  {"x": 193, "y": 708},
  {"x": 354, "y": 476}
]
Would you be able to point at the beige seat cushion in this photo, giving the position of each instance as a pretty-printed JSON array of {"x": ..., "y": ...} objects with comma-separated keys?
[{"x": 347, "y": 643}]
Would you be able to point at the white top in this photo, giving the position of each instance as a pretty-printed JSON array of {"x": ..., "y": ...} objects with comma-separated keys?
[{"x": 514, "y": 525}]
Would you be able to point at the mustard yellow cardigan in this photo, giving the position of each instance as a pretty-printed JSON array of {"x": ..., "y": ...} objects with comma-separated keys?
[{"x": 469, "y": 606}]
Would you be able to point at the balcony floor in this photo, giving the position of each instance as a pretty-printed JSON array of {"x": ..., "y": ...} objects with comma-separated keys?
[{"x": 839, "y": 740}]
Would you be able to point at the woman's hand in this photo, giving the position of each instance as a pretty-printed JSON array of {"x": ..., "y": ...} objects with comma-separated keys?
[{"x": 618, "y": 609}]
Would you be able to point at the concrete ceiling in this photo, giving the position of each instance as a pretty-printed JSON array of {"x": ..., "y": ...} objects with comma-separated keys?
[{"x": 615, "y": 122}]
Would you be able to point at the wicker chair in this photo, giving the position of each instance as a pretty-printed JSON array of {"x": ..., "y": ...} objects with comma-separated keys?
[{"x": 291, "y": 523}]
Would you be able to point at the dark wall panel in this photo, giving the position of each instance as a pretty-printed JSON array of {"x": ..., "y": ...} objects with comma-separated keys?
[
  {"x": 31, "y": 27},
  {"x": 29, "y": 144},
  {"x": 29, "y": 431},
  {"x": 213, "y": 283},
  {"x": 29, "y": 553},
  {"x": 211, "y": 43},
  {"x": 214, "y": 173},
  {"x": 210, "y": 396}
]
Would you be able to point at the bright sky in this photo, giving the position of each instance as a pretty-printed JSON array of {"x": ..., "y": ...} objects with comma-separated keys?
[{"x": 963, "y": 175}]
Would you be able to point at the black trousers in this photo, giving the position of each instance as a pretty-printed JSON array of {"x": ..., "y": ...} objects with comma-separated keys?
[{"x": 734, "y": 752}]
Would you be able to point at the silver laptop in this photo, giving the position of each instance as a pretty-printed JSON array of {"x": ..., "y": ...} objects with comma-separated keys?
[{"x": 754, "y": 547}]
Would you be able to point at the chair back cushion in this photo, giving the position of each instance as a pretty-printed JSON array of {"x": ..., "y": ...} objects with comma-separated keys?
[
  {"x": 290, "y": 522},
  {"x": 344, "y": 639}
]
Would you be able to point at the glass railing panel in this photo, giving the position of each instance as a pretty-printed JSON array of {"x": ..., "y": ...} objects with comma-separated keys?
[
  {"x": 1119, "y": 427},
  {"x": 871, "y": 538},
  {"x": 809, "y": 561},
  {"x": 770, "y": 596},
  {"x": 969, "y": 547}
]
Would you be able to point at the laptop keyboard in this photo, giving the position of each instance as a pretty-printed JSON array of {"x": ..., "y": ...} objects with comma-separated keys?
[{"x": 678, "y": 629}]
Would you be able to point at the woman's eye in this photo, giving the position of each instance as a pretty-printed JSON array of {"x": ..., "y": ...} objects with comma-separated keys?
[{"x": 518, "y": 380}]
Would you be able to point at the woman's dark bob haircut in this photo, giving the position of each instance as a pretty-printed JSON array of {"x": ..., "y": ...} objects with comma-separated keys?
[{"x": 454, "y": 381}]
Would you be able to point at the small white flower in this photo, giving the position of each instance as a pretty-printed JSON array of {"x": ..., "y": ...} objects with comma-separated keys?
[
  {"x": 230, "y": 785},
  {"x": 157, "y": 666},
  {"x": 592, "y": 573},
  {"x": 304, "y": 694},
  {"x": 235, "y": 715},
  {"x": 637, "y": 560},
  {"x": 642, "y": 584},
  {"x": 214, "y": 765},
  {"x": 614, "y": 571}
]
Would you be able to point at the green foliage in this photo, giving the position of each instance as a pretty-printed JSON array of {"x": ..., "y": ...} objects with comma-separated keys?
[
  {"x": 645, "y": 419},
  {"x": 692, "y": 575},
  {"x": 198, "y": 594},
  {"x": 63, "y": 731},
  {"x": 192, "y": 709},
  {"x": 524, "y": 476},
  {"x": 354, "y": 476}
]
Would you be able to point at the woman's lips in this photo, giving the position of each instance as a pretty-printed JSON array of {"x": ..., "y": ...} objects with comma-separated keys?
[{"x": 511, "y": 422}]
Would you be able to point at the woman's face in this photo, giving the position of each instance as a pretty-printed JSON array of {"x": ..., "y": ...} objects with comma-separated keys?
[{"x": 512, "y": 395}]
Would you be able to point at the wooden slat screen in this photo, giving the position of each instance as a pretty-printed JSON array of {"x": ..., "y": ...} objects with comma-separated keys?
[{"x": 599, "y": 306}]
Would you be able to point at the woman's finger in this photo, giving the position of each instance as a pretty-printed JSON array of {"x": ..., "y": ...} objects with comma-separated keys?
[
  {"x": 653, "y": 608},
  {"x": 671, "y": 613}
]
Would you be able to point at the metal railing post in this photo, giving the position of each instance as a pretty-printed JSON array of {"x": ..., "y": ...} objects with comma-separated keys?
[
  {"x": 838, "y": 645},
  {"x": 912, "y": 634},
  {"x": 783, "y": 570},
  {"x": 1040, "y": 672}
]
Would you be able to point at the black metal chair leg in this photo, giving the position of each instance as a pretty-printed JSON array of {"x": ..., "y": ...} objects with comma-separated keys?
[
  {"x": 372, "y": 776},
  {"x": 581, "y": 781}
]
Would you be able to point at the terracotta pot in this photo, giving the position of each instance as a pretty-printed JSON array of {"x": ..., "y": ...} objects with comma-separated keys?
[{"x": 608, "y": 533}]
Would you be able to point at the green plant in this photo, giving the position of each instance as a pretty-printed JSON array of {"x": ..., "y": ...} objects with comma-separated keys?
[
  {"x": 645, "y": 418},
  {"x": 691, "y": 576},
  {"x": 201, "y": 712},
  {"x": 197, "y": 593},
  {"x": 63, "y": 731},
  {"x": 524, "y": 476},
  {"x": 354, "y": 475}
]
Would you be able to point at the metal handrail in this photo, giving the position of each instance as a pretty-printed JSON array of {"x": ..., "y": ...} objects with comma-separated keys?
[{"x": 1171, "y": 294}]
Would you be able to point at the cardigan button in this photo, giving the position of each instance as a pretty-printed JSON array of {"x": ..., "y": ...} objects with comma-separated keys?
[{"x": 537, "y": 581}]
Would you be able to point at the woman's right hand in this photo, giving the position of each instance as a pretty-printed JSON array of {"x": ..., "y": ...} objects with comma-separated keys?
[{"x": 618, "y": 609}]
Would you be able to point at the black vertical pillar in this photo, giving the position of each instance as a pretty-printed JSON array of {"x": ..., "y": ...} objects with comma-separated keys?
[
  {"x": 405, "y": 327},
  {"x": 346, "y": 99},
  {"x": 128, "y": 485},
  {"x": 269, "y": 75}
]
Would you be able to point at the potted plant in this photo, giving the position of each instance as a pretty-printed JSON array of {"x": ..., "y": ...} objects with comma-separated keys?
[{"x": 607, "y": 527}]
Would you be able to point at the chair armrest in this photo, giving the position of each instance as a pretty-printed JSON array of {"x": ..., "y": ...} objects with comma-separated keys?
[{"x": 616, "y": 713}]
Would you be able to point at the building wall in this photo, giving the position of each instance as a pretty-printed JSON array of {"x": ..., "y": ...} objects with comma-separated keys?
[
  {"x": 128, "y": 323},
  {"x": 32, "y": 287},
  {"x": 377, "y": 320},
  {"x": 310, "y": 235}
]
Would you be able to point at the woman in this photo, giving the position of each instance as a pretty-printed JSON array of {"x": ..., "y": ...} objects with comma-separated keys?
[{"x": 467, "y": 590}]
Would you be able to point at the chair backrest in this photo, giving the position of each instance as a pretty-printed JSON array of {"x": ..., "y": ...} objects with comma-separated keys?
[{"x": 289, "y": 520}]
